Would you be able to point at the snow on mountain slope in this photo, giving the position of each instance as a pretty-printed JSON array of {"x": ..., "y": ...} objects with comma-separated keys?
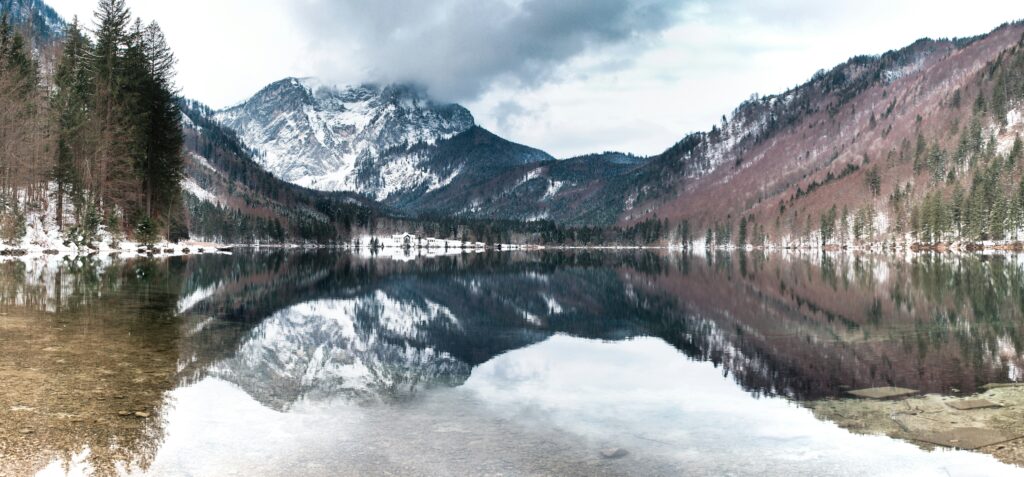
[
  {"x": 355, "y": 138},
  {"x": 45, "y": 23}
]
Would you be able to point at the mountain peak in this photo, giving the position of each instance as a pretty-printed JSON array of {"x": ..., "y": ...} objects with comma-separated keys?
[{"x": 329, "y": 137}]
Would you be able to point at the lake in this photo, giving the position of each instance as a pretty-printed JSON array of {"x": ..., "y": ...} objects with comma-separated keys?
[{"x": 329, "y": 363}]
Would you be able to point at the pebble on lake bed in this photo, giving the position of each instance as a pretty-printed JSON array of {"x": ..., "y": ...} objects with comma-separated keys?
[{"x": 614, "y": 453}]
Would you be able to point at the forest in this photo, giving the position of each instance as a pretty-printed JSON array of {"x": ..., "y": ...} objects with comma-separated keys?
[
  {"x": 90, "y": 130},
  {"x": 952, "y": 173}
]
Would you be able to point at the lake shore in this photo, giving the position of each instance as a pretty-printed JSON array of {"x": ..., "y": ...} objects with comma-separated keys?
[
  {"x": 990, "y": 422},
  {"x": 193, "y": 247},
  {"x": 127, "y": 248}
]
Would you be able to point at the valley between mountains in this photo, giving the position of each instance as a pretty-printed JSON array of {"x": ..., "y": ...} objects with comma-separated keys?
[{"x": 918, "y": 147}]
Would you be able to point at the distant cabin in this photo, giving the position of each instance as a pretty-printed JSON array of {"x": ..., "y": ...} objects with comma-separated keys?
[{"x": 405, "y": 240}]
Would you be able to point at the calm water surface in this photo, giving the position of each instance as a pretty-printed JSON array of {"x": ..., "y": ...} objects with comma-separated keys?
[{"x": 284, "y": 363}]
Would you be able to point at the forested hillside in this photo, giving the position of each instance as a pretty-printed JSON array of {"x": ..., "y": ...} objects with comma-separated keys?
[
  {"x": 916, "y": 147},
  {"x": 97, "y": 144},
  {"x": 41, "y": 22}
]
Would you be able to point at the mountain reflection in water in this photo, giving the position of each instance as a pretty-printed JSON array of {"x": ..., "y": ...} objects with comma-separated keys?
[{"x": 516, "y": 363}]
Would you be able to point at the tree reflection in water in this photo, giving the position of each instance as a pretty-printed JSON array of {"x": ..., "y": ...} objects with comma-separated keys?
[{"x": 85, "y": 340}]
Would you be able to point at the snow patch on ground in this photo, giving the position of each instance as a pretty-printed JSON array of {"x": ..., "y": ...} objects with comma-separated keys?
[
  {"x": 44, "y": 237},
  {"x": 553, "y": 188},
  {"x": 190, "y": 186}
]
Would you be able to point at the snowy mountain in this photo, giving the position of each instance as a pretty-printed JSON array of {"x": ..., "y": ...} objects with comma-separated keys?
[
  {"x": 355, "y": 138},
  {"x": 395, "y": 145}
]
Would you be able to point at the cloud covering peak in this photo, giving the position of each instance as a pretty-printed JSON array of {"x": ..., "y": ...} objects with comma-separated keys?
[{"x": 458, "y": 49}]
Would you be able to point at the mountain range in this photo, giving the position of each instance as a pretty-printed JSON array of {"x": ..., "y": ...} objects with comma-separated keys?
[
  {"x": 396, "y": 145},
  {"x": 919, "y": 143},
  {"x": 766, "y": 162}
]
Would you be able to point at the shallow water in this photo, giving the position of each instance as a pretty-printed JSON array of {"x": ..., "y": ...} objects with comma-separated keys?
[{"x": 282, "y": 363}]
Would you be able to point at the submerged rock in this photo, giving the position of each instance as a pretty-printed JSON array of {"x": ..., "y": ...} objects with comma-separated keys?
[
  {"x": 970, "y": 404},
  {"x": 614, "y": 453},
  {"x": 993, "y": 424},
  {"x": 887, "y": 392},
  {"x": 969, "y": 438}
]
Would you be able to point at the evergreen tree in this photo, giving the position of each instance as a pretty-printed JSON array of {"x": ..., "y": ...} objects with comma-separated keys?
[
  {"x": 957, "y": 209},
  {"x": 999, "y": 217},
  {"x": 873, "y": 179},
  {"x": 1019, "y": 208},
  {"x": 70, "y": 103},
  {"x": 1016, "y": 151},
  {"x": 844, "y": 226},
  {"x": 112, "y": 179},
  {"x": 160, "y": 130},
  {"x": 741, "y": 238},
  {"x": 828, "y": 225}
]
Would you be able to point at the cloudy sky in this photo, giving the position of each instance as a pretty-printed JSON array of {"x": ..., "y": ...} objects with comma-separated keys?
[{"x": 567, "y": 76}]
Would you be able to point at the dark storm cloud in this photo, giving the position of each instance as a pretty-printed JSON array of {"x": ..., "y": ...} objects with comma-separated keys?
[{"x": 458, "y": 48}]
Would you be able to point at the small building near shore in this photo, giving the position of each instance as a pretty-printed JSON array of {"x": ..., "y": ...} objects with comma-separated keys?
[{"x": 405, "y": 240}]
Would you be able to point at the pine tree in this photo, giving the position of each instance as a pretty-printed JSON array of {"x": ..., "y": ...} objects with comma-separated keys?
[
  {"x": 844, "y": 226},
  {"x": 111, "y": 179},
  {"x": 957, "y": 209},
  {"x": 1016, "y": 151},
  {"x": 937, "y": 163},
  {"x": 828, "y": 225},
  {"x": 873, "y": 179},
  {"x": 70, "y": 103},
  {"x": 999, "y": 215},
  {"x": 741, "y": 239},
  {"x": 158, "y": 118},
  {"x": 1019, "y": 207}
]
